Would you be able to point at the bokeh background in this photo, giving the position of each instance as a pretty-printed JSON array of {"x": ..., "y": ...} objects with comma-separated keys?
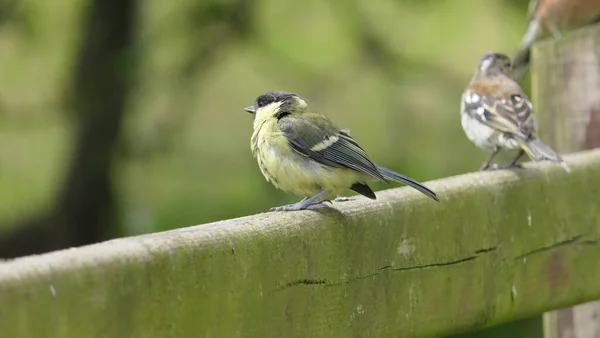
[{"x": 123, "y": 117}]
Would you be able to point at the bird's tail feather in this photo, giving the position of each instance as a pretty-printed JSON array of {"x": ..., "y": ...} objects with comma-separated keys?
[
  {"x": 522, "y": 58},
  {"x": 538, "y": 151},
  {"x": 394, "y": 176},
  {"x": 521, "y": 63}
]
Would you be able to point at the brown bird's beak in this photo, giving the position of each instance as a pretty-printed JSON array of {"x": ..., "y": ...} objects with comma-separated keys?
[{"x": 250, "y": 109}]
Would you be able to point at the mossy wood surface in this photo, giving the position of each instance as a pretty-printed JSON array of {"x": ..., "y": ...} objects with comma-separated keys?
[
  {"x": 566, "y": 77},
  {"x": 500, "y": 246},
  {"x": 565, "y": 82}
]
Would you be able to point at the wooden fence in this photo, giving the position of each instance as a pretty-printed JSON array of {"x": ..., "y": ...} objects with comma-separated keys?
[{"x": 501, "y": 246}]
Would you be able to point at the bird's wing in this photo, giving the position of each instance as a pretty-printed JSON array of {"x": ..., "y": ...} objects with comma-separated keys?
[
  {"x": 513, "y": 115},
  {"x": 320, "y": 140}
]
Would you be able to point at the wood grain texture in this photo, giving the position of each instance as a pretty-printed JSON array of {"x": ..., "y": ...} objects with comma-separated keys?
[
  {"x": 565, "y": 77},
  {"x": 500, "y": 246},
  {"x": 566, "y": 90}
]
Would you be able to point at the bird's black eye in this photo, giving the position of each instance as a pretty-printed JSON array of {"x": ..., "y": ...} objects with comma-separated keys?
[
  {"x": 272, "y": 97},
  {"x": 507, "y": 64},
  {"x": 264, "y": 100}
]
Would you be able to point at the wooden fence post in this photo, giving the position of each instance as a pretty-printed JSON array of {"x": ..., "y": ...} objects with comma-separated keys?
[{"x": 565, "y": 77}]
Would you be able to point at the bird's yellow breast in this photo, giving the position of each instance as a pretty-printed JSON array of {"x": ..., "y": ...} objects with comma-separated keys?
[{"x": 290, "y": 171}]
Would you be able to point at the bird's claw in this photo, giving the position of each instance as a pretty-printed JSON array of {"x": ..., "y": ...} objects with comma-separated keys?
[
  {"x": 300, "y": 206},
  {"x": 289, "y": 207},
  {"x": 507, "y": 166}
]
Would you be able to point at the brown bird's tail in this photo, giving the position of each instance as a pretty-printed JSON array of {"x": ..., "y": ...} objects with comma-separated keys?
[
  {"x": 538, "y": 151},
  {"x": 522, "y": 58}
]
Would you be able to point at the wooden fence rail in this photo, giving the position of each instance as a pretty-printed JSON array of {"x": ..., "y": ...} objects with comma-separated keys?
[{"x": 500, "y": 246}]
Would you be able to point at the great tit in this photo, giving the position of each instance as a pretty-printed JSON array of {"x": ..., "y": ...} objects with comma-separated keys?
[{"x": 303, "y": 152}]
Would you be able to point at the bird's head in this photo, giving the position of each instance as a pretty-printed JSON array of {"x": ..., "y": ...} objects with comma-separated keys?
[
  {"x": 491, "y": 64},
  {"x": 276, "y": 104}
]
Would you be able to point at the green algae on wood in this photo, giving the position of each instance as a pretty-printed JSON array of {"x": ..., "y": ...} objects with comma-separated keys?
[{"x": 500, "y": 246}]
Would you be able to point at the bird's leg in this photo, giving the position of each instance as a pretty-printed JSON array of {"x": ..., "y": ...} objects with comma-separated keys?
[
  {"x": 486, "y": 164},
  {"x": 513, "y": 163},
  {"x": 306, "y": 203}
]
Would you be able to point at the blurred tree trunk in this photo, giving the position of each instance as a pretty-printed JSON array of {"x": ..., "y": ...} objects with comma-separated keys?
[
  {"x": 6, "y": 10},
  {"x": 85, "y": 207}
]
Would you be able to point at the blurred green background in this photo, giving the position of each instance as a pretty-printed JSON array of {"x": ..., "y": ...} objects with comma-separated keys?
[{"x": 391, "y": 71}]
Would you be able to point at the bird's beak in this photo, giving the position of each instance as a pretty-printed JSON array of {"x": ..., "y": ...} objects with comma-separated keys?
[{"x": 250, "y": 109}]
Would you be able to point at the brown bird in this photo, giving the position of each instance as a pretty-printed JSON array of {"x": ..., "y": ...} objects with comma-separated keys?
[
  {"x": 496, "y": 114},
  {"x": 550, "y": 17}
]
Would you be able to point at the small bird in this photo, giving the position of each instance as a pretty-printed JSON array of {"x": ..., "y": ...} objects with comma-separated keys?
[
  {"x": 303, "y": 152},
  {"x": 496, "y": 114},
  {"x": 550, "y": 17}
]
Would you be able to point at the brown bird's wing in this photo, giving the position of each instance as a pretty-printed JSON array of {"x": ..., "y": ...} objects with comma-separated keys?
[{"x": 512, "y": 113}]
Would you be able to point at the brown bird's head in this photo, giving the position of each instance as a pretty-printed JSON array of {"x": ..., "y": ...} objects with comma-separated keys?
[{"x": 493, "y": 64}]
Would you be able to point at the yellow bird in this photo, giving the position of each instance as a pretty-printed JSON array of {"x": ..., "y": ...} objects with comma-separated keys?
[{"x": 303, "y": 152}]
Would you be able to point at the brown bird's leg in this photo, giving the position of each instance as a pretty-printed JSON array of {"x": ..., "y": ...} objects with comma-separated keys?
[
  {"x": 511, "y": 164},
  {"x": 486, "y": 164}
]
